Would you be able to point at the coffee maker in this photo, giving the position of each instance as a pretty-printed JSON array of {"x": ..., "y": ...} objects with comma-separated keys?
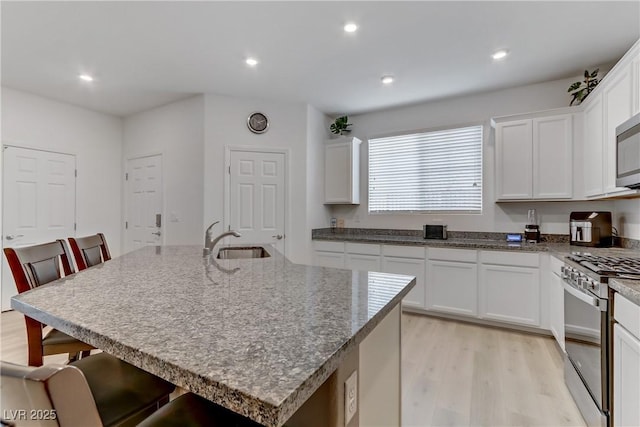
[{"x": 532, "y": 229}]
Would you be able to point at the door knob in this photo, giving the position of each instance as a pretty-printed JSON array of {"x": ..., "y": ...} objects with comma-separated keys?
[
  {"x": 13, "y": 236},
  {"x": 157, "y": 233},
  {"x": 278, "y": 236}
]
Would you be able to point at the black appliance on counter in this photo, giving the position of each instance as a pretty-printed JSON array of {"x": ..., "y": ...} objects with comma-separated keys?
[
  {"x": 438, "y": 232},
  {"x": 592, "y": 228},
  {"x": 588, "y": 330}
]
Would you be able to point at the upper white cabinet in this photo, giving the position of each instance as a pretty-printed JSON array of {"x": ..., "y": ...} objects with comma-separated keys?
[
  {"x": 615, "y": 99},
  {"x": 618, "y": 107},
  {"x": 342, "y": 171},
  {"x": 534, "y": 158},
  {"x": 593, "y": 156}
]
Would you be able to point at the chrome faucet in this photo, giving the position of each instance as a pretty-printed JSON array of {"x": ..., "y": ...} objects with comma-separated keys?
[{"x": 210, "y": 244}]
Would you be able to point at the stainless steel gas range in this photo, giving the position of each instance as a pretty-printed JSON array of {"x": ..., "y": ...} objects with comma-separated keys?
[{"x": 588, "y": 330}]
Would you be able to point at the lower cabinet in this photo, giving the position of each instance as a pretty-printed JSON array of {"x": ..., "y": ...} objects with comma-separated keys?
[
  {"x": 626, "y": 363},
  {"x": 452, "y": 281},
  {"x": 328, "y": 254},
  {"x": 510, "y": 288},
  {"x": 409, "y": 261},
  {"x": 556, "y": 301},
  {"x": 501, "y": 286}
]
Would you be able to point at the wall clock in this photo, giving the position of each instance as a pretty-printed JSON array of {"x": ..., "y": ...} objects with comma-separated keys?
[{"x": 258, "y": 123}]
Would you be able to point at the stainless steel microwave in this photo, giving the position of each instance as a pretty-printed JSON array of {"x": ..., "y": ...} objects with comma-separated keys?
[{"x": 628, "y": 153}]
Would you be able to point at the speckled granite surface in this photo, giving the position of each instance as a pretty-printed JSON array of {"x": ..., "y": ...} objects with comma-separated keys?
[
  {"x": 257, "y": 336},
  {"x": 630, "y": 289}
]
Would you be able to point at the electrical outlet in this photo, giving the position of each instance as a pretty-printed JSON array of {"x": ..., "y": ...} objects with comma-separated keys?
[{"x": 350, "y": 397}]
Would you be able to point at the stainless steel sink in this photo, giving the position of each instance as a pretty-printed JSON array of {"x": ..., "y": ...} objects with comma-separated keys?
[{"x": 241, "y": 252}]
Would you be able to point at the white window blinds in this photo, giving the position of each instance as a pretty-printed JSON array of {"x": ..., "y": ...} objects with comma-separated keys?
[{"x": 427, "y": 172}]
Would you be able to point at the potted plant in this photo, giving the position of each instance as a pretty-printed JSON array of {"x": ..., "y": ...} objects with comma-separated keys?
[
  {"x": 340, "y": 126},
  {"x": 580, "y": 90}
]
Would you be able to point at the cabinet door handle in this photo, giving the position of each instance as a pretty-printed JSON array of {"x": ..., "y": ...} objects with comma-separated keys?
[
  {"x": 157, "y": 233},
  {"x": 278, "y": 236},
  {"x": 13, "y": 236}
]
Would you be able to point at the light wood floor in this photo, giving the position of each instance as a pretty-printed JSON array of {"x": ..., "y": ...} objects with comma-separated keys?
[{"x": 453, "y": 374}]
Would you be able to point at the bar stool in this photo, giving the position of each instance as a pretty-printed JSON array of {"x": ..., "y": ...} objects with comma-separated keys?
[
  {"x": 99, "y": 390},
  {"x": 33, "y": 266},
  {"x": 90, "y": 250}
]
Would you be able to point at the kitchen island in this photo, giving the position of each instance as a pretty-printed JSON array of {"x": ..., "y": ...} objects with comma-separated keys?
[{"x": 266, "y": 338}]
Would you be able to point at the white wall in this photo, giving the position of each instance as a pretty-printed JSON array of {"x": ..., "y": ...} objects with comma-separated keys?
[
  {"x": 318, "y": 213},
  {"x": 627, "y": 218},
  {"x": 95, "y": 138},
  {"x": 479, "y": 108},
  {"x": 176, "y": 131},
  {"x": 225, "y": 125}
]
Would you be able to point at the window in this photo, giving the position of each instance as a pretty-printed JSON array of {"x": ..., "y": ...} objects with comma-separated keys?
[{"x": 437, "y": 171}]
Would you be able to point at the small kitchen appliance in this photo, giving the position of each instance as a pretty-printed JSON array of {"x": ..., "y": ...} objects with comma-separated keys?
[
  {"x": 592, "y": 228},
  {"x": 532, "y": 229},
  {"x": 435, "y": 232},
  {"x": 628, "y": 153}
]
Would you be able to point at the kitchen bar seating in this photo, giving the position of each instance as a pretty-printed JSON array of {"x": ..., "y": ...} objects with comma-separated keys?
[
  {"x": 98, "y": 390},
  {"x": 31, "y": 267},
  {"x": 90, "y": 250}
]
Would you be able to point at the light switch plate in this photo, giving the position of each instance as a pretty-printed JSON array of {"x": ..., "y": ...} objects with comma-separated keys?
[{"x": 350, "y": 397}]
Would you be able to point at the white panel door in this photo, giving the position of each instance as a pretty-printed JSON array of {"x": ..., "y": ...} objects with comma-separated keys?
[
  {"x": 553, "y": 157},
  {"x": 593, "y": 147},
  {"x": 452, "y": 287},
  {"x": 39, "y": 202},
  {"x": 510, "y": 294},
  {"x": 626, "y": 378},
  {"x": 410, "y": 267},
  {"x": 257, "y": 197},
  {"x": 618, "y": 100},
  {"x": 514, "y": 163},
  {"x": 144, "y": 219}
]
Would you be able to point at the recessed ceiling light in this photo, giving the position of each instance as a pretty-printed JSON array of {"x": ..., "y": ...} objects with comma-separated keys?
[
  {"x": 500, "y": 54},
  {"x": 85, "y": 77},
  {"x": 387, "y": 80},
  {"x": 252, "y": 62},
  {"x": 350, "y": 27}
]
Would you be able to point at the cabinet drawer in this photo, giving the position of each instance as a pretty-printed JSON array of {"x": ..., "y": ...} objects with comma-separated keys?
[
  {"x": 328, "y": 246},
  {"x": 403, "y": 251},
  {"x": 518, "y": 259},
  {"x": 627, "y": 314},
  {"x": 362, "y": 248},
  {"x": 464, "y": 255}
]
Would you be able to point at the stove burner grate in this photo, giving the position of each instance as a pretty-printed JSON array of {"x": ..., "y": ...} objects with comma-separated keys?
[{"x": 608, "y": 264}]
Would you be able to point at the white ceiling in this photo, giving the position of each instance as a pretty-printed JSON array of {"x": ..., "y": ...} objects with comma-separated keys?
[{"x": 145, "y": 54}]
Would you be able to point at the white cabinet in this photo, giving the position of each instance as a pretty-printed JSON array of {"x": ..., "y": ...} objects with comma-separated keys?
[
  {"x": 618, "y": 107},
  {"x": 409, "y": 261},
  {"x": 534, "y": 158},
  {"x": 510, "y": 288},
  {"x": 328, "y": 254},
  {"x": 593, "y": 156},
  {"x": 361, "y": 256},
  {"x": 556, "y": 301},
  {"x": 452, "y": 281},
  {"x": 342, "y": 171},
  {"x": 614, "y": 100},
  {"x": 514, "y": 160},
  {"x": 626, "y": 363}
]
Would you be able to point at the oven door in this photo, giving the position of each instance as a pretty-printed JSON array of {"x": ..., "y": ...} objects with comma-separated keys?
[{"x": 585, "y": 328}]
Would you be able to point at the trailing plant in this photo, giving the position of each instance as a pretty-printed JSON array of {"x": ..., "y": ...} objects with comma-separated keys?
[
  {"x": 580, "y": 90},
  {"x": 340, "y": 126}
]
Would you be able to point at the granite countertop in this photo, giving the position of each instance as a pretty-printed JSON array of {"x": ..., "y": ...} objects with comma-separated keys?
[
  {"x": 257, "y": 336},
  {"x": 557, "y": 246},
  {"x": 628, "y": 288}
]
